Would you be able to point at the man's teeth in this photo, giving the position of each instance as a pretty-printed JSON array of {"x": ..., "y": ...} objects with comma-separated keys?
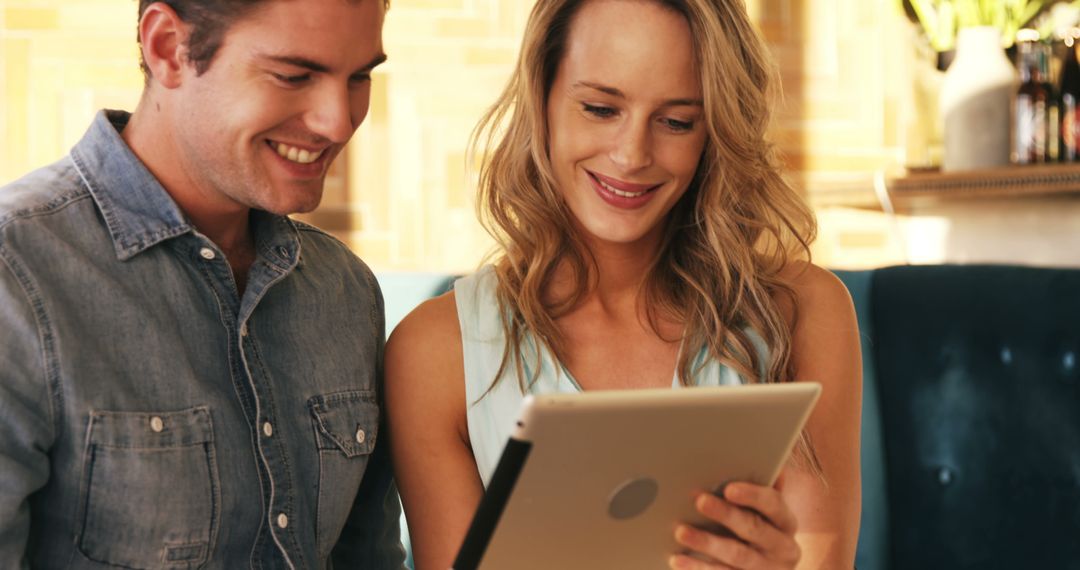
[
  {"x": 618, "y": 192},
  {"x": 294, "y": 154}
]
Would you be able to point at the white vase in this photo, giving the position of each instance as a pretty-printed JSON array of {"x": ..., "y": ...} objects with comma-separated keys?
[{"x": 976, "y": 100}]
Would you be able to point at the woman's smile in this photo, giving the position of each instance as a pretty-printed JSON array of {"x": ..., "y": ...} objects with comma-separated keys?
[{"x": 622, "y": 194}]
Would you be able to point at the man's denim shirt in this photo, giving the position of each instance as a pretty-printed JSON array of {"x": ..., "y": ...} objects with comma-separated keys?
[{"x": 150, "y": 417}]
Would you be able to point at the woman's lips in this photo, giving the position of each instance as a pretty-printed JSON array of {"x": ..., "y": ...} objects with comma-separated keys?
[{"x": 622, "y": 194}]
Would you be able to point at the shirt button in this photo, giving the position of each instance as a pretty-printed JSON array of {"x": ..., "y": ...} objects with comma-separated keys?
[
  {"x": 243, "y": 330},
  {"x": 360, "y": 435},
  {"x": 156, "y": 424},
  {"x": 282, "y": 520},
  {"x": 207, "y": 253},
  {"x": 268, "y": 429},
  {"x": 283, "y": 252}
]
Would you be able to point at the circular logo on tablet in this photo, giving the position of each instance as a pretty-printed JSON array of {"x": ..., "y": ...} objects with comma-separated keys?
[{"x": 632, "y": 498}]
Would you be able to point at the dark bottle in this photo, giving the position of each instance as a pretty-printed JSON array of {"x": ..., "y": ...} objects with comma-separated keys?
[
  {"x": 1070, "y": 99},
  {"x": 1053, "y": 105},
  {"x": 1035, "y": 116}
]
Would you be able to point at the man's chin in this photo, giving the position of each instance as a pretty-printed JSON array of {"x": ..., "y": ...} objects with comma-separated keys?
[{"x": 294, "y": 201}]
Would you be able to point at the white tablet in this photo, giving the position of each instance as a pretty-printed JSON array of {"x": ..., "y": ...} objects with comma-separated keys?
[{"x": 600, "y": 479}]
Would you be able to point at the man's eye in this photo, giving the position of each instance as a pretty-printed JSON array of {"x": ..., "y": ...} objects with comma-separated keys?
[
  {"x": 293, "y": 79},
  {"x": 599, "y": 111}
]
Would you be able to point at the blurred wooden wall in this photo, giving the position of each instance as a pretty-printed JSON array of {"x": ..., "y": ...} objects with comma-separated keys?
[{"x": 404, "y": 199}]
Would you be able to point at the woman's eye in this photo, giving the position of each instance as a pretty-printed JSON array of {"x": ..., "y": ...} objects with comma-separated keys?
[
  {"x": 678, "y": 126},
  {"x": 599, "y": 111}
]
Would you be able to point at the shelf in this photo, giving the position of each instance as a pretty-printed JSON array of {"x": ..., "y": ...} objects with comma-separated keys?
[{"x": 929, "y": 188}]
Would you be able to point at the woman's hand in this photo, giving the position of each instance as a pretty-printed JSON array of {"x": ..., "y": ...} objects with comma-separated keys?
[{"x": 761, "y": 531}]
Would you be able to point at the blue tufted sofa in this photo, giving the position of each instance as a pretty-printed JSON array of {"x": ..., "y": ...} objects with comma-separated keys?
[
  {"x": 971, "y": 412},
  {"x": 971, "y": 416}
]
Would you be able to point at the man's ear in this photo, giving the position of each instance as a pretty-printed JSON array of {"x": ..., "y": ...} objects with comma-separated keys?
[{"x": 164, "y": 37}]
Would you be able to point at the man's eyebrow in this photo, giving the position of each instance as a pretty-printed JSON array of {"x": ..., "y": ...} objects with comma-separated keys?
[
  {"x": 315, "y": 66},
  {"x": 375, "y": 62},
  {"x": 616, "y": 93}
]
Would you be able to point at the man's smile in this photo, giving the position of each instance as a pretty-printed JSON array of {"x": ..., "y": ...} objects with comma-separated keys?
[{"x": 295, "y": 153}]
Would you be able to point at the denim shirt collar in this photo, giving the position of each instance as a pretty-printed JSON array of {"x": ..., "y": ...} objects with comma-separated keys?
[{"x": 137, "y": 209}]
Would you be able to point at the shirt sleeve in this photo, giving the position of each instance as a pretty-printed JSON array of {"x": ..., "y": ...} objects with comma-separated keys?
[
  {"x": 372, "y": 534},
  {"x": 26, "y": 430}
]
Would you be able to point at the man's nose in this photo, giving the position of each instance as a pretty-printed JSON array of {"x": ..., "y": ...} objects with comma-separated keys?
[{"x": 332, "y": 114}]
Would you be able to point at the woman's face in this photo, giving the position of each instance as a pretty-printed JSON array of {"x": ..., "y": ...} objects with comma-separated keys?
[{"x": 625, "y": 119}]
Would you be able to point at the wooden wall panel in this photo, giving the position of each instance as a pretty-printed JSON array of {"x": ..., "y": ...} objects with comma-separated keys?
[{"x": 405, "y": 198}]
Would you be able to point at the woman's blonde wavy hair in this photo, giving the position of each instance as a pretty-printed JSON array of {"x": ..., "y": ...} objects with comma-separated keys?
[{"x": 718, "y": 268}]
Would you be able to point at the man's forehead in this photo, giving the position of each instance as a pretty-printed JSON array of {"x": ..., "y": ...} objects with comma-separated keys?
[
  {"x": 263, "y": 8},
  {"x": 312, "y": 25}
]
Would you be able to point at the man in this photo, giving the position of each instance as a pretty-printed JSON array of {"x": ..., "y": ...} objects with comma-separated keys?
[{"x": 189, "y": 379}]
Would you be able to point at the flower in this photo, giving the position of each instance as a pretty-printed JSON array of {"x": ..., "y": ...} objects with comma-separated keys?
[{"x": 941, "y": 19}]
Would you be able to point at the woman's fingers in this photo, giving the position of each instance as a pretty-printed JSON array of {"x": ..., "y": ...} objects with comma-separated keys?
[
  {"x": 765, "y": 500},
  {"x": 725, "y": 552},
  {"x": 685, "y": 562},
  {"x": 761, "y": 527},
  {"x": 758, "y": 532}
]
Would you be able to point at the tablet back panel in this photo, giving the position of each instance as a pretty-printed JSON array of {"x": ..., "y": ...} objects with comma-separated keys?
[{"x": 600, "y": 479}]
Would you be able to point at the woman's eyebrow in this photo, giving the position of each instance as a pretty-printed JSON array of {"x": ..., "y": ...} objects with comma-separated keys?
[{"x": 614, "y": 92}]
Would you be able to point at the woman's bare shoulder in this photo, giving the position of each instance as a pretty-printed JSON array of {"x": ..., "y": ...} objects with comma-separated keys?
[
  {"x": 426, "y": 344},
  {"x": 432, "y": 324},
  {"x": 427, "y": 414},
  {"x": 818, "y": 293},
  {"x": 813, "y": 280},
  {"x": 825, "y": 348}
]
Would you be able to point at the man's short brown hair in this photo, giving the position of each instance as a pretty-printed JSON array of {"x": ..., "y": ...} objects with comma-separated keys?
[{"x": 209, "y": 20}]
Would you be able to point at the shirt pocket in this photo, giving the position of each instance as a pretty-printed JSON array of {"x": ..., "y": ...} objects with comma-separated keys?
[
  {"x": 150, "y": 490},
  {"x": 346, "y": 429}
]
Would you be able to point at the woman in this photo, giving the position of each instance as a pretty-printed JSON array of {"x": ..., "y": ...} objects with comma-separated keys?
[{"x": 645, "y": 235}]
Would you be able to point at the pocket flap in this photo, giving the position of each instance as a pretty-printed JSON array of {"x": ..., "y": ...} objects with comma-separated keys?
[
  {"x": 151, "y": 429},
  {"x": 348, "y": 420}
]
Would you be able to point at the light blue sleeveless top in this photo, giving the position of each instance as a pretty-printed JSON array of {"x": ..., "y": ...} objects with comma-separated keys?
[{"x": 491, "y": 416}]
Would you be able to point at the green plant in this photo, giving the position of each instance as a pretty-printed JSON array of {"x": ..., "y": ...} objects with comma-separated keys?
[{"x": 941, "y": 19}]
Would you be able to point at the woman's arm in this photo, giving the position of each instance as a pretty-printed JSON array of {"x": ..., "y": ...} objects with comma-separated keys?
[
  {"x": 825, "y": 349},
  {"x": 433, "y": 461},
  {"x": 805, "y": 520}
]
